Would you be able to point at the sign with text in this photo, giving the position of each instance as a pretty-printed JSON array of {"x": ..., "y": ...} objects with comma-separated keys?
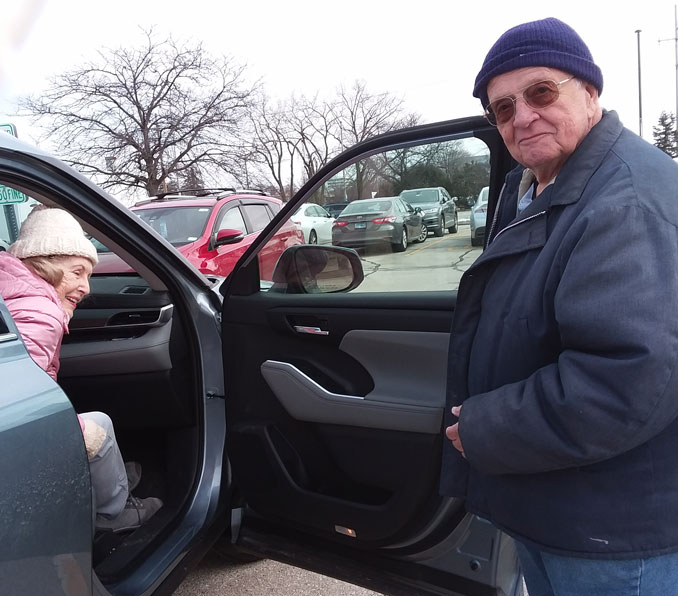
[{"x": 9, "y": 195}]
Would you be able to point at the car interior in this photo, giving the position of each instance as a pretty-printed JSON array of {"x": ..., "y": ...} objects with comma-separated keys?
[{"x": 129, "y": 354}]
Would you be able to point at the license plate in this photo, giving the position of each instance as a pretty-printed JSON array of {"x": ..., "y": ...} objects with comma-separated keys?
[{"x": 359, "y": 226}]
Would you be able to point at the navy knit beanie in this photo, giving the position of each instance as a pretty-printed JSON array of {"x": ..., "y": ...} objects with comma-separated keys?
[{"x": 548, "y": 42}]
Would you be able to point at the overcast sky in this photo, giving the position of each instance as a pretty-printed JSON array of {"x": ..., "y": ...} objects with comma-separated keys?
[{"x": 426, "y": 52}]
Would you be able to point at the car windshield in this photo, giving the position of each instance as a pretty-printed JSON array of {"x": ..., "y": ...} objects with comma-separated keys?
[
  {"x": 178, "y": 225},
  {"x": 420, "y": 196},
  {"x": 369, "y": 206}
]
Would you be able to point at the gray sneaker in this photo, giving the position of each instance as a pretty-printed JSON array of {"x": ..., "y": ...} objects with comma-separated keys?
[{"x": 136, "y": 512}]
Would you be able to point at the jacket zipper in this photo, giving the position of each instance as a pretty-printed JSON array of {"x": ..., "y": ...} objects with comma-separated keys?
[{"x": 513, "y": 225}]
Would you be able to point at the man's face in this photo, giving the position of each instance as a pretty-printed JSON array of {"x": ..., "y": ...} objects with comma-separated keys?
[{"x": 542, "y": 139}]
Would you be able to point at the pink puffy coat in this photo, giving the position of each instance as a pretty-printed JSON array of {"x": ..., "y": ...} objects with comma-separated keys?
[{"x": 36, "y": 310}]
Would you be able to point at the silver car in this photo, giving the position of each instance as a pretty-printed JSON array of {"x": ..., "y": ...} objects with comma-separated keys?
[{"x": 478, "y": 217}]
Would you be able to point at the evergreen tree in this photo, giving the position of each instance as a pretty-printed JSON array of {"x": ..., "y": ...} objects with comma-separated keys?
[{"x": 665, "y": 134}]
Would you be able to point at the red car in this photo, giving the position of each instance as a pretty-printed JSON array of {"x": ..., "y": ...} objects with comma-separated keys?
[{"x": 213, "y": 228}]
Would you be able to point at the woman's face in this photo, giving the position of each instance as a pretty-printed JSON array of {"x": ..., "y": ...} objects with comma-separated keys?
[{"x": 75, "y": 284}]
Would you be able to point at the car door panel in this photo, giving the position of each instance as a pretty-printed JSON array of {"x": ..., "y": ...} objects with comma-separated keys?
[
  {"x": 318, "y": 451},
  {"x": 397, "y": 401}
]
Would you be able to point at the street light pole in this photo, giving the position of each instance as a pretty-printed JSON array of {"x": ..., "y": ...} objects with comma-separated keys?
[{"x": 640, "y": 92}]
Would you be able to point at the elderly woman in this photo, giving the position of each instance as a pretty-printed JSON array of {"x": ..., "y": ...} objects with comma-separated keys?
[{"x": 43, "y": 277}]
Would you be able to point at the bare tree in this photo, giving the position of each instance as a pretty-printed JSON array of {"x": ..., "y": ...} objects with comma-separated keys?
[
  {"x": 139, "y": 118},
  {"x": 273, "y": 148},
  {"x": 287, "y": 143},
  {"x": 313, "y": 123},
  {"x": 360, "y": 115}
]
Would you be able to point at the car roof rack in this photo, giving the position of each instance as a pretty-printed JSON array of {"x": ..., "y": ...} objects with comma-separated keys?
[
  {"x": 196, "y": 193},
  {"x": 251, "y": 191},
  {"x": 185, "y": 193}
]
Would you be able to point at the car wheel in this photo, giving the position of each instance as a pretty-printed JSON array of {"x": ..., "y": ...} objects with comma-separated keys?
[
  {"x": 440, "y": 228},
  {"x": 475, "y": 241},
  {"x": 313, "y": 237},
  {"x": 423, "y": 234},
  {"x": 402, "y": 245},
  {"x": 455, "y": 226}
]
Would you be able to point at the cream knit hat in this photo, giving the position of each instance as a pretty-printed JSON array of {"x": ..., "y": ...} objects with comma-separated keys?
[{"x": 49, "y": 231}]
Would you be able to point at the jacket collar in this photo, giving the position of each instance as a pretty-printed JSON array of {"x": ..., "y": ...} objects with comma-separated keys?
[{"x": 587, "y": 157}]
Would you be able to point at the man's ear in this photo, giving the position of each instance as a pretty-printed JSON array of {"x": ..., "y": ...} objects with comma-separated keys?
[{"x": 591, "y": 90}]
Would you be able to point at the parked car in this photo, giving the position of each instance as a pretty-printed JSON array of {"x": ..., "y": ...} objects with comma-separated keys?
[
  {"x": 377, "y": 221},
  {"x": 212, "y": 228},
  {"x": 292, "y": 420},
  {"x": 335, "y": 209},
  {"x": 439, "y": 208},
  {"x": 315, "y": 222},
  {"x": 478, "y": 217}
]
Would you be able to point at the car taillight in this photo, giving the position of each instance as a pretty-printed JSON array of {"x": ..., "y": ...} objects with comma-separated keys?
[
  {"x": 481, "y": 210},
  {"x": 339, "y": 224},
  {"x": 388, "y": 219},
  {"x": 296, "y": 222}
]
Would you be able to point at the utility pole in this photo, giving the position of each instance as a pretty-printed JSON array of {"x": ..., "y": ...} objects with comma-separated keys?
[
  {"x": 640, "y": 92},
  {"x": 675, "y": 41}
]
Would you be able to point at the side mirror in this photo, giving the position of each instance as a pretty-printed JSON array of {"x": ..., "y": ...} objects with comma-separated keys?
[
  {"x": 227, "y": 236},
  {"x": 311, "y": 269}
]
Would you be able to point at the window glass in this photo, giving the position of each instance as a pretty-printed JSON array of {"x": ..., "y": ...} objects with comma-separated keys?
[
  {"x": 417, "y": 197},
  {"x": 232, "y": 220},
  {"x": 372, "y": 226},
  {"x": 178, "y": 225},
  {"x": 258, "y": 216}
]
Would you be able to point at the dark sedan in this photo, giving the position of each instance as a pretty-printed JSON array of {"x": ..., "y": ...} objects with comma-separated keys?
[{"x": 377, "y": 221}]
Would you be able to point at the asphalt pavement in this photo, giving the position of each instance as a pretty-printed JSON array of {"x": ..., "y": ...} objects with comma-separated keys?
[{"x": 214, "y": 577}]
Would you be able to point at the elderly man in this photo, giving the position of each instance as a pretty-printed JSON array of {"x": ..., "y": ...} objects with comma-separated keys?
[{"x": 563, "y": 380}]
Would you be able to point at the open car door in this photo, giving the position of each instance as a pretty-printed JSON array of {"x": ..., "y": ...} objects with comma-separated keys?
[{"x": 335, "y": 399}]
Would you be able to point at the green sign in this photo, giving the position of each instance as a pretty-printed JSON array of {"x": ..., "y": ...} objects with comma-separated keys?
[
  {"x": 9, "y": 128},
  {"x": 9, "y": 195}
]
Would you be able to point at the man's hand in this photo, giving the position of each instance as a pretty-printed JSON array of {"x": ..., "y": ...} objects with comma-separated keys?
[{"x": 452, "y": 432}]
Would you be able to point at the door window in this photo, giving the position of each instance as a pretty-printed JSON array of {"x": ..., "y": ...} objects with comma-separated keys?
[
  {"x": 232, "y": 220},
  {"x": 460, "y": 166},
  {"x": 258, "y": 216}
]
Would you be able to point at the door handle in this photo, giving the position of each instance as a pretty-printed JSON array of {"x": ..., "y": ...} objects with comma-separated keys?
[{"x": 310, "y": 330}]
